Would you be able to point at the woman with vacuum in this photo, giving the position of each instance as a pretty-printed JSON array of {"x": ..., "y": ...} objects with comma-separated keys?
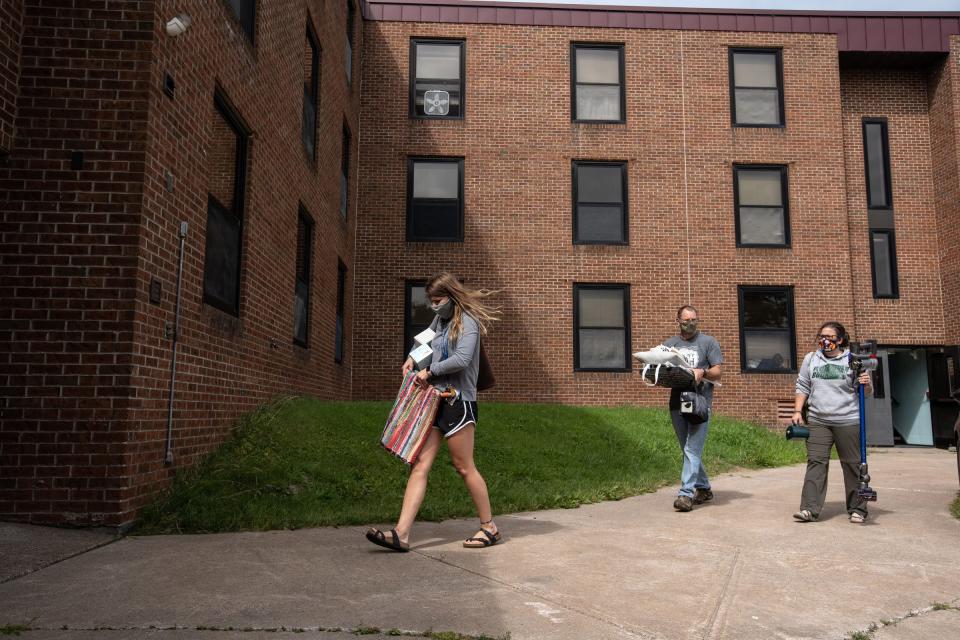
[{"x": 830, "y": 385}]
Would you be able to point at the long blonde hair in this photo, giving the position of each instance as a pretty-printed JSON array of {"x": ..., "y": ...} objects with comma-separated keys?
[{"x": 465, "y": 300}]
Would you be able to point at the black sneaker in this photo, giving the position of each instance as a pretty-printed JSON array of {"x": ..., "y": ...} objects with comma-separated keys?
[
  {"x": 683, "y": 503},
  {"x": 702, "y": 495}
]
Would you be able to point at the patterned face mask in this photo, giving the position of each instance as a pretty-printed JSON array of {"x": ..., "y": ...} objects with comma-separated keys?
[
  {"x": 826, "y": 344},
  {"x": 689, "y": 326}
]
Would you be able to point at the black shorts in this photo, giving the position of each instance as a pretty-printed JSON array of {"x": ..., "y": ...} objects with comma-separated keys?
[{"x": 451, "y": 418}]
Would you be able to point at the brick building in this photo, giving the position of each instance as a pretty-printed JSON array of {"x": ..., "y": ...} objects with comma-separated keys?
[
  {"x": 600, "y": 165},
  {"x": 244, "y": 127}
]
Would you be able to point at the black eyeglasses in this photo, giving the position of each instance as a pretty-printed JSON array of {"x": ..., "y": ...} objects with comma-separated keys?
[{"x": 828, "y": 337}]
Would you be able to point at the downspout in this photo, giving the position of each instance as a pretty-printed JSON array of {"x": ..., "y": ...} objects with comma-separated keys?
[
  {"x": 686, "y": 196},
  {"x": 168, "y": 455},
  {"x": 356, "y": 199}
]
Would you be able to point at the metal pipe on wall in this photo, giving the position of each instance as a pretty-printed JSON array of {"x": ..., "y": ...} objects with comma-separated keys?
[{"x": 168, "y": 455}]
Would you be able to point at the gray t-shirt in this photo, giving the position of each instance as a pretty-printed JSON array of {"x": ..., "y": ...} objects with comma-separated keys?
[{"x": 701, "y": 352}]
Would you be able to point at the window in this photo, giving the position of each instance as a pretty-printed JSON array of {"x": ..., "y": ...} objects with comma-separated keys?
[
  {"x": 338, "y": 347},
  {"x": 768, "y": 341},
  {"x": 435, "y": 199},
  {"x": 311, "y": 85},
  {"x": 597, "y": 77},
  {"x": 601, "y": 319},
  {"x": 884, "y": 263},
  {"x": 436, "y": 78},
  {"x": 344, "y": 171},
  {"x": 301, "y": 291},
  {"x": 227, "y": 171},
  {"x": 599, "y": 202},
  {"x": 417, "y": 314},
  {"x": 756, "y": 87},
  {"x": 883, "y": 253},
  {"x": 246, "y": 11},
  {"x": 348, "y": 49},
  {"x": 760, "y": 201},
  {"x": 876, "y": 157}
]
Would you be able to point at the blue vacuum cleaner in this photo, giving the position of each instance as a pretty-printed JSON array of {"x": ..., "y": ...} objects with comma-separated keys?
[{"x": 863, "y": 357}]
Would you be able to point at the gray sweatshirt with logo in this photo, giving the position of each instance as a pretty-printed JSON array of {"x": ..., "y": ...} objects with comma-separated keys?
[
  {"x": 832, "y": 390},
  {"x": 461, "y": 365}
]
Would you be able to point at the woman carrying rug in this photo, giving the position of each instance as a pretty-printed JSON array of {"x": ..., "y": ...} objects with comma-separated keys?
[{"x": 462, "y": 316}]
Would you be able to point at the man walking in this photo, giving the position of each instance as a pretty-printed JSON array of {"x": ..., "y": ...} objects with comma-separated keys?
[{"x": 702, "y": 354}]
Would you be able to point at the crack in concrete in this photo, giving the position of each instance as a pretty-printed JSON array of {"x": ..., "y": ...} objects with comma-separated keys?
[
  {"x": 59, "y": 560},
  {"x": 630, "y": 632},
  {"x": 712, "y": 621},
  {"x": 360, "y": 630},
  {"x": 890, "y": 622}
]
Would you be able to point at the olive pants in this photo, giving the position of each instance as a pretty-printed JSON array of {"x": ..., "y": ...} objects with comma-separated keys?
[{"x": 847, "y": 441}]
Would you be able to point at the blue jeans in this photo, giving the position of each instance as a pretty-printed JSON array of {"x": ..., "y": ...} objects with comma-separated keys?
[{"x": 692, "y": 437}]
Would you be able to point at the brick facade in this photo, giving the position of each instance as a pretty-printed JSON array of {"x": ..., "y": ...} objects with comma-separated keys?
[
  {"x": 11, "y": 17},
  {"x": 518, "y": 142},
  {"x": 944, "y": 99},
  {"x": 86, "y": 364},
  {"x": 105, "y": 165}
]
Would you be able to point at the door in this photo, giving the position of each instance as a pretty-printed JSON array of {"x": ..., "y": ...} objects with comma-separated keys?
[
  {"x": 942, "y": 364},
  {"x": 877, "y": 406},
  {"x": 910, "y": 395}
]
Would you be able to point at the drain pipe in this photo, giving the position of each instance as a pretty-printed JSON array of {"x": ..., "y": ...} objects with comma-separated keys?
[{"x": 175, "y": 335}]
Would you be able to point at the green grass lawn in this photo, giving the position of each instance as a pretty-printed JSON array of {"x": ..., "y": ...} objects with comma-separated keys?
[
  {"x": 955, "y": 507},
  {"x": 301, "y": 462}
]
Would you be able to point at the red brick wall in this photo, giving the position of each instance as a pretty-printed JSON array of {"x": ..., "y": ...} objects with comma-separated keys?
[
  {"x": 944, "y": 96},
  {"x": 518, "y": 141},
  {"x": 86, "y": 364},
  {"x": 69, "y": 242},
  {"x": 11, "y": 27},
  {"x": 229, "y": 365},
  {"x": 916, "y": 317}
]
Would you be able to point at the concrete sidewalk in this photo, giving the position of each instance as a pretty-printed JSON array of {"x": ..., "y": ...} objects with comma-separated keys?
[{"x": 738, "y": 568}]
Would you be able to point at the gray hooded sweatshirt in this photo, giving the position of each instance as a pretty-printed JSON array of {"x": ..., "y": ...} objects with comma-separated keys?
[
  {"x": 831, "y": 386},
  {"x": 458, "y": 368}
]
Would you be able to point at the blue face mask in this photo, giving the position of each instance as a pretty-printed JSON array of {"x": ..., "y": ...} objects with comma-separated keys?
[{"x": 445, "y": 310}]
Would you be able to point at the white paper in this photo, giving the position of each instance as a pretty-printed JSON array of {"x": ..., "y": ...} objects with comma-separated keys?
[
  {"x": 422, "y": 355},
  {"x": 424, "y": 337}
]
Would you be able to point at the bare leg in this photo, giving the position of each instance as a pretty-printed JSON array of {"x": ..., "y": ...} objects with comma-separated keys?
[
  {"x": 461, "y": 454},
  {"x": 417, "y": 485}
]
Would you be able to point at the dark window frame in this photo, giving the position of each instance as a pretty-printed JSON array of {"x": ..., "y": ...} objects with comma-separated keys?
[
  {"x": 620, "y": 47},
  {"x": 625, "y": 289},
  {"x": 350, "y": 28},
  {"x": 413, "y": 77},
  {"x": 888, "y": 186},
  {"x": 310, "y": 226},
  {"x": 249, "y": 21},
  {"x": 242, "y": 132},
  {"x": 312, "y": 93},
  {"x": 408, "y": 327},
  {"x": 345, "y": 142},
  {"x": 792, "y": 329},
  {"x": 340, "y": 328},
  {"x": 894, "y": 275},
  {"x": 624, "y": 167},
  {"x": 785, "y": 198},
  {"x": 732, "y": 87},
  {"x": 411, "y": 161}
]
